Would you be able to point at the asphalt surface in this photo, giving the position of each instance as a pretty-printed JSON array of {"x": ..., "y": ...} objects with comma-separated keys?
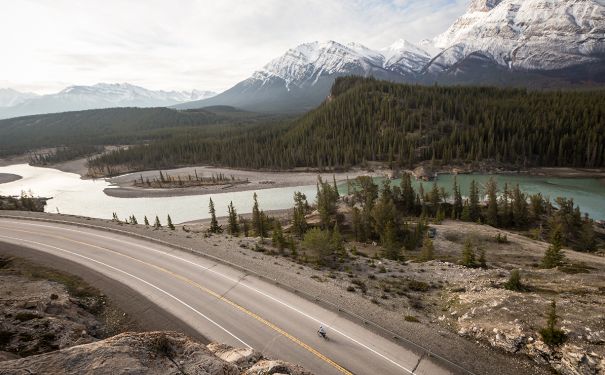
[{"x": 224, "y": 304}]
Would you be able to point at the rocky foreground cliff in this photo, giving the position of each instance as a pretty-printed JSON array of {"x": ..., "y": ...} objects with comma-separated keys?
[{"x": 161, "y": 353}]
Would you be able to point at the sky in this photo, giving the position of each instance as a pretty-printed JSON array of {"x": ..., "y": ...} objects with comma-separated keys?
[{"x": 48, "y": 45}]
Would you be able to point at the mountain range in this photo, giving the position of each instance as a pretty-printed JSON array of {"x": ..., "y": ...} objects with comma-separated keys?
[
  {"x": 535, "y": 43},
  {"x": 527, "y": 43},
  {"x": 101, "y": 95}
]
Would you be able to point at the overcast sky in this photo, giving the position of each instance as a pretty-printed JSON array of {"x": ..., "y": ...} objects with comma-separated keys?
[{"x": 186, "y": 44}]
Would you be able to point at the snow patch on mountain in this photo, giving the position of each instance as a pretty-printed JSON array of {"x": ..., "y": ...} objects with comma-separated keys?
[
  {"x": 10, "y": 97},
  {"x": 304, "y": 64},
  {"x": 526, "y": 34},
  {"x": 101, "y": 95}
]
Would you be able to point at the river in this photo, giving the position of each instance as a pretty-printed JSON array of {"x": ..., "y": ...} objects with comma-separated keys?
[{"x": 72, "y": 195}]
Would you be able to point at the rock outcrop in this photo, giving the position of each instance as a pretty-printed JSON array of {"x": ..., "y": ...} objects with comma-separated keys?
[{"x": 161, "y": 353}]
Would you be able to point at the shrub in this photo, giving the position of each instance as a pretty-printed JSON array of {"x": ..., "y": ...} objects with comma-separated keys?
[
  {"x": 411, "y": 318},
  {"x": 501, "y": 238},
  {"x": 418, "y": 286},
  {"x": 514, "y": 281}
]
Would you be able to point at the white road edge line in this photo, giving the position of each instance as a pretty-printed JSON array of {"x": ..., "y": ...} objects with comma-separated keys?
[
  {"x": 234, "y": 280},
  {"x": 134, "y": 277}
]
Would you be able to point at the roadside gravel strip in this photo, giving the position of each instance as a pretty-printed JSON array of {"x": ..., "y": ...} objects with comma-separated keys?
[{"x": 471, "y": 357}]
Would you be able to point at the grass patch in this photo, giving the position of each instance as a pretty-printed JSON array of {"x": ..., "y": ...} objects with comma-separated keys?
[{"x": 418, "y": 286}]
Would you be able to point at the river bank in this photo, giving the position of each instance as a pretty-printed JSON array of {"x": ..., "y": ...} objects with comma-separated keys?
[{"x": 256, "y": 180}]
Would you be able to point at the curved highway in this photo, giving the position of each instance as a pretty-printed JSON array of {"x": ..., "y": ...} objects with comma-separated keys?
[{"x": 224, "y": 304}]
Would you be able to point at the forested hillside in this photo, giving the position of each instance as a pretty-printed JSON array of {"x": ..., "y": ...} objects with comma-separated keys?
[
  {"x": 116, "y": 126},
  {"x": 369, "y": 120}
]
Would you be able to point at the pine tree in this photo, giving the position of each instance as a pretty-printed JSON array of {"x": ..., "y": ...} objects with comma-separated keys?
[
  {"x": 435, "y": 198},
  {"x": 292, "y": 247},
  {"x": 551, "y": 335},
  {"x": 146, "y": 221},
  {"x": 383, "y": 213},
  {"x": 392, "y": 250},
  {"x": 408, "y": 196},
  {"x": 520, "y": 209},
  {"x": 468, "y": 254},
  {"x": 466, "y": 212},
  {"x": 214, "y": 227},
  {"x": 169, "y": 223},
  {"x": 335, "y": 187},
  {"x": 440, "y": 215},
  {"x": 257, "y": 219},
  {"x": 457, "y": 209},
  {"x": 553, "y": 257},
  {"x": 233, "y": 227},
  {"x": 482, "y": 260},
  {"x": 299, "y": 222},
  {"x": 157, "y": 224},
  {"x": 587, "y": 240},
  {"x": 277, "y": 239},
  {"x": 492, "y": 204},
  {"x": 326, "y": 202},
  {"x": 428, "y": 249},
  {"x": 507, "y": 213},
  {"x": 514, "y": 281},
  {"x": 337, "y": 243},
  {"x": 474, "y": 209}
]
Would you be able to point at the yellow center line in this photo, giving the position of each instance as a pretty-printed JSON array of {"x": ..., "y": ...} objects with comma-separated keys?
[{"x": 212, "y": 293}]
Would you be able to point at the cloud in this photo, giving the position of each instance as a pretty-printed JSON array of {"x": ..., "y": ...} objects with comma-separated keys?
[{"x": 190, "y": 44}]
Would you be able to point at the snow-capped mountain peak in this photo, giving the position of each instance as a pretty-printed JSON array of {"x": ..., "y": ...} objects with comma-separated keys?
[
  {"x": 405, "y": 57},
  {"x": 100, "y": 95},
  {"x": 303, "y": 64},
  {"x": 527, "y": 34}
]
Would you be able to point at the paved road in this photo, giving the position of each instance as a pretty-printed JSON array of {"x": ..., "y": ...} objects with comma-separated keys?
[{"x": 224, "y": 304}]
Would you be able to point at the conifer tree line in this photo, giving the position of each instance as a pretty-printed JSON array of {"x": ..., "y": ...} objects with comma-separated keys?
[
  {"x": 396, "y": 217},
  {"x": 370, "y": 120}
]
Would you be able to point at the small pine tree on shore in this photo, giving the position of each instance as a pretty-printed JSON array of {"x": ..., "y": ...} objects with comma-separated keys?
[
  {"x": 214, "y": 227},
  {"x": 428, "y": 250},
  {"x": 482, "y": 260},
  {"x": 146, "y": 221},
  {"x": 468, "y": 254},
  {"x": 169, "y": 223},
  {"x": 233, "y": 227},
  {"x": 553, "y": 257},
  {"x": 157, "y": 224},
  {"x": 551, "y": 335}
]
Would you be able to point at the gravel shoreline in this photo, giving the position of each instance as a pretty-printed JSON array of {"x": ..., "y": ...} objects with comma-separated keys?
[
  {"x": 256, "y": 180},
  {"x": 475, "y": 357}
]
